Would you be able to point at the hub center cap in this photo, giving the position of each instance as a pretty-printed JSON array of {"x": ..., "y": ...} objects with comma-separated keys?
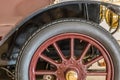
[{"x": 71, "y": 75}]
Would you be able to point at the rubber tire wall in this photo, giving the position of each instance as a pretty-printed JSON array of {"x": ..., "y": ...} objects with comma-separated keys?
[{"x": 66, "y": 26}]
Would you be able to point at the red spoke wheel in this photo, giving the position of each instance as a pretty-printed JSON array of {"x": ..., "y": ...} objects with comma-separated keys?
[{"x": 69, "y": 50}]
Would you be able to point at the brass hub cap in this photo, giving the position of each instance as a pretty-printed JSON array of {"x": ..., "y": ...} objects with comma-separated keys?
[{"x": 71, "y": 75}]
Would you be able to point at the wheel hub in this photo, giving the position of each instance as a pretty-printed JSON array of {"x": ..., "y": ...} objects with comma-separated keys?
[
  {"x": 71, "y": 75},
  {"x": 71, "y": 70}
]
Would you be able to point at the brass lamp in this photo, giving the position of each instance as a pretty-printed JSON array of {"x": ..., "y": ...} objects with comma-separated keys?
[{"x": 111, "y": 17}]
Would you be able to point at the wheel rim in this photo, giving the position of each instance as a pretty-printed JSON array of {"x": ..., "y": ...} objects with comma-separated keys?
[{"x": 66, "y": 64}]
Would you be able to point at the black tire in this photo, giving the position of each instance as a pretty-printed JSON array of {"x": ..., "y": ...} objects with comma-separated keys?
[{"x": 65, "y": 26}]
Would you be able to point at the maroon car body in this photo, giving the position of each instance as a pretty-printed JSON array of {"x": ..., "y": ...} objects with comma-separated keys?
[{"x": 12, "y": 12}]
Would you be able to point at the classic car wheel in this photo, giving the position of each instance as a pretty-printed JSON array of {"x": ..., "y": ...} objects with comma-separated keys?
[{"x": 69, "y": 50}]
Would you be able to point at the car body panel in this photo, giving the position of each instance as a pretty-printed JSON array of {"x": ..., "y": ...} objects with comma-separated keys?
[{"x": 13, "y": 11}]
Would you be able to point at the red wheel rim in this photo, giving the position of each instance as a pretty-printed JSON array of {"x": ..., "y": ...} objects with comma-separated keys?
[{"x": 60, "y": 69}]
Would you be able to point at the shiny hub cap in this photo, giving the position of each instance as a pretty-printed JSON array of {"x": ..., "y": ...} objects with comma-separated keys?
[
  {"x": 70, "y": 56},
  {"x": 71, "y": 75}
]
